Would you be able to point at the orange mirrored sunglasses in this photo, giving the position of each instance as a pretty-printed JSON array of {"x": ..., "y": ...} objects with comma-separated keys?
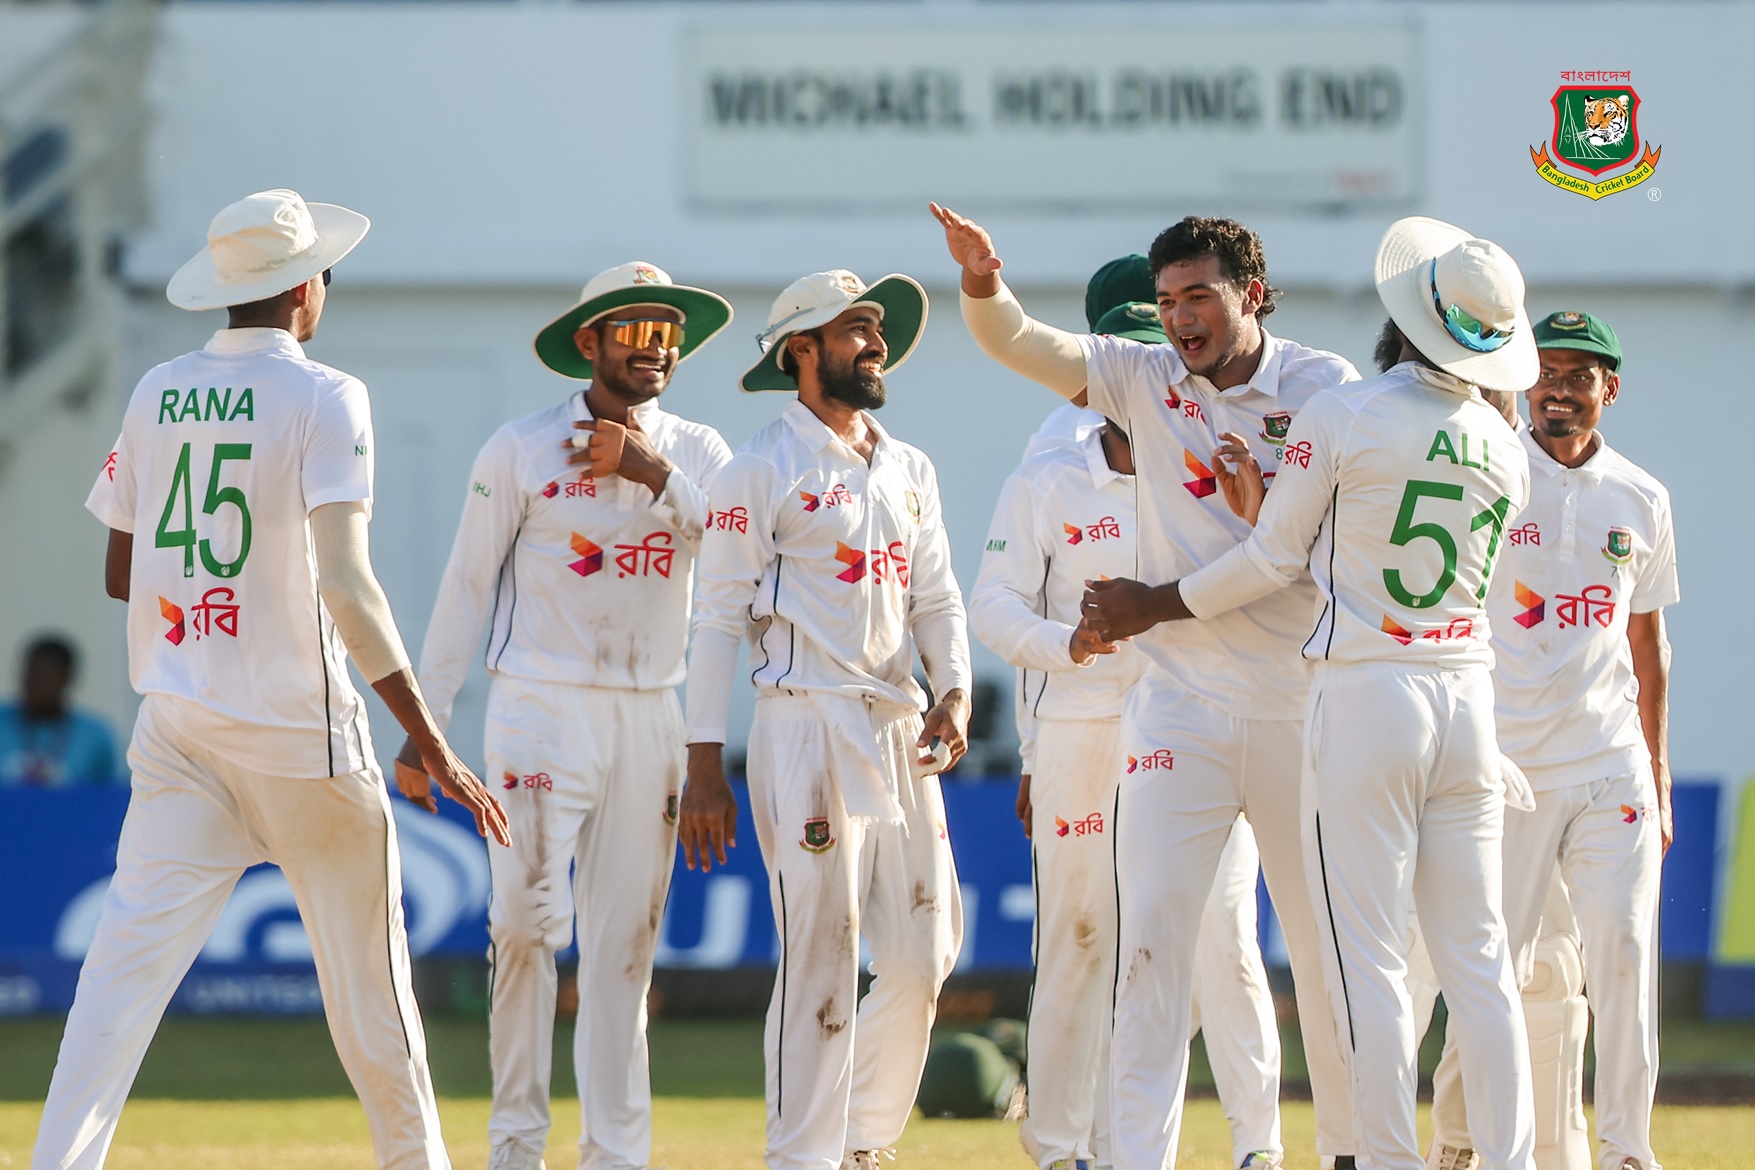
[{"x": 641, "y": 334}]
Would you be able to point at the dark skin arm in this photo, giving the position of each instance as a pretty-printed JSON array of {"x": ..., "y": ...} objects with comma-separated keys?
[
  {"x": 117, "y": 560},
  {"x": 1121, "y": 608},
  {"x": 1651, "y": 666},
  {"x": 434, "y": 757},
  {"x": 1026, "y": 811}
]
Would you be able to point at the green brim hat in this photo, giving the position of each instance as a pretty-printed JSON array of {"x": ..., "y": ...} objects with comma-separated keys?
[
  {"x": 1580, "y": 331},
  {"x": 818, "y": 299},
  {"x": 635, "y": 283},
  {"x": 1137, "y": 321},
  {"x": 1121, "y": 281}
]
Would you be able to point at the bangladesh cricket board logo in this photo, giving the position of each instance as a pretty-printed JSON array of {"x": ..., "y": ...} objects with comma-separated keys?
[
  {"x": 1618, "y": 549},
  {"x": 1596, "y": 130},
  {"x": 816, "y": 836}
]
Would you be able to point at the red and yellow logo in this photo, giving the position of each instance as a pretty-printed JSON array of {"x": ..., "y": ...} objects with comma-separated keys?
[
  {"x": 1074, "y": 534},
  {"x": 853, "y": 559},
  {"x": 590, "y": 557},
  {"x": 174, "y": 614},
  {"x": 1534, "y": 605},
  {"x": 1204, "y": 483}
]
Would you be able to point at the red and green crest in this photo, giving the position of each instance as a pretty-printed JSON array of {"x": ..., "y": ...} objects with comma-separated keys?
[
  {"x": 816, "y": 836},
  {"x": 1619, "y": 547},
  {"x": 1596, "y": 130},
  {"x": 1274, "y": 426},
  {"x": 670, "y": 809}
]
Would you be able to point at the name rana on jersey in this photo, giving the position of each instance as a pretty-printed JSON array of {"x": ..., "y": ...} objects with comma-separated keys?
[{"x": 175, "y": 407}]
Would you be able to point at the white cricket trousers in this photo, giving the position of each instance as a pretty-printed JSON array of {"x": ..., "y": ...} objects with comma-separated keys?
[
  {"x": 1404, "y": 810},
  {"x": 1605, "y": 839},
  {"x": 1194, "y": 768},
  {"x": 1072, "y": 790},
  {"x": 837, "y": 1082},
  {"x": 195, "y": 822},
  {"x": 589, "y": 779}
]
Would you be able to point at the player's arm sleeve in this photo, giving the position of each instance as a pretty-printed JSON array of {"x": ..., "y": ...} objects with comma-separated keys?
[
  {"x": 1006, "y": 604},
  {"x": 936, "y": 616},
  {"x": 728, "y": 571},
  {"x": 350, "y": 590},
  {"x": 338, "y": 457},
  {"x": 1026, "y": 717},
  {"x": 112, "y": 495},
  {"x": 486, "y": 530},
  {"x": 1023, "y": 344},
  {"x": 1113, "y": 367},
  {"x": 1278, "y": 550},
  {"x": 1657, "y": 585},
  {"x": 683, "y": 502}
]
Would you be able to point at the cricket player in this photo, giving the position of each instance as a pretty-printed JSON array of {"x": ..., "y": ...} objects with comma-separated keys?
[
  {"x": 251, "y": 743},
  {"x": 1220, "y": 703},
  {"x": 1397, "y": 495},
  {"x": 1581, "y": 682},
  {"x": 577, "y": 546},
  {"x": 826, "y": 544},
  {"x": 1064, "y": 517}
]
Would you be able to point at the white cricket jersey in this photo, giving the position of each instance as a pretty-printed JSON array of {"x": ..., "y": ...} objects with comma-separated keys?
[
  {"x": 1595, "y": 544},
  {"x": 1401, "y": 490},
  {"x": 1064, "y": 517},
  {"x": 1245, "y": 661},
  {"x": 834, "y": 568},
  {"x": 223, "y": 455},
  {"x": 587, "y": 580}
]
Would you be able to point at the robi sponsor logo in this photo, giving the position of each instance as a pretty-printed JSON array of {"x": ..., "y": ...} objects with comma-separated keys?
[
  {"x": 536, "y": 781},
  {"x": 1204, "y": 483},
  {"x": 883, "y": 564},
  {"x": 1088, "y": 825},
  {"x": 218, "y": 609},
  {"x": 1535, "y": 606},
  {"x": 1186, "y": 407},
  {"x": 1161, "y": 760}
]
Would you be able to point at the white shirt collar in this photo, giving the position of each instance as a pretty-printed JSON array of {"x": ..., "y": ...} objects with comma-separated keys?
[
  {"x": 254, "y": 340},
  {"x": 816, "y": 433},
  {"x": 1265, "y": 380},
  {"x": 648, "y": 412},
  {"x": 1091, "y": 442},
  {"x": 1592, "y": 469}
]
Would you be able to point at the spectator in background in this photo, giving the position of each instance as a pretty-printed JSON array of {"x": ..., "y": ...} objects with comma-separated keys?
[{"x": 45, "y": 742}]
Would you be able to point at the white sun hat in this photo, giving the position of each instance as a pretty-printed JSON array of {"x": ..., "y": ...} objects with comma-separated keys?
[
  {"x": 819, "y": 298},
  {"x": 265, "y": 244},
  {"x": 1459, "y": 300}
]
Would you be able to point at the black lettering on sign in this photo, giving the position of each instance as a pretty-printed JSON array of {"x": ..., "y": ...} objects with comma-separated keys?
[
  {"x": 1315, "y": 99},
  {"x": 1057, "y": 99},
  {"x": 920, "y": 99}
]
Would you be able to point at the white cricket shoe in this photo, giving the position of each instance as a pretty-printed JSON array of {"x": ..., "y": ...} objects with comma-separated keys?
[
  {"x": 1452, "y": 1158},
  {"x": 515, "y": 1155}
]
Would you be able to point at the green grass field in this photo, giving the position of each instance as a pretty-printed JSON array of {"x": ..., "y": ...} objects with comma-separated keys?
[{"x": 261, "y": 1094}]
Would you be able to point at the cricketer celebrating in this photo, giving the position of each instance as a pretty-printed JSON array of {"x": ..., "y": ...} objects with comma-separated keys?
[
  {"x": 251, "y": 743},
  {"x": 1064, "y": 517},
  {"x": 577, "y": 546},
  {"x": 826, "y": 544},
  {"x": 1220, "y": 703},
  {"x": 1397, "y": 495},
  {"x": 1581, "y": 679}
]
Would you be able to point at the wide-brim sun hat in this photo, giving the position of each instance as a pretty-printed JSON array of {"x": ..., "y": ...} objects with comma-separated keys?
[
  {"x": 819, "y": 298},
  {"x": 634, "y": 283},
  {"x": 262, "y": 245},
  {"x": 1459, "y": 301}
]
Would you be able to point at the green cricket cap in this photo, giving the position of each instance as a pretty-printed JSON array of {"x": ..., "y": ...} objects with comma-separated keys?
[
  {"x": 1136, "y": 321},
  {"x": 1574, "y": 330},
  {"x": 1122, "y": 280}
]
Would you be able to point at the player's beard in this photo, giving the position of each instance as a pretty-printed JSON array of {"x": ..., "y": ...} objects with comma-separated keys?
[
  {"x": 860, "y": 389},
  {"x": 614, "y": 379}
]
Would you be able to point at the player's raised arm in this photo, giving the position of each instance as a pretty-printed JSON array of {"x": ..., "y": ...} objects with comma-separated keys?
[
  {"x": 361, "y": 613},
  {"x": 998, "y": 322}
]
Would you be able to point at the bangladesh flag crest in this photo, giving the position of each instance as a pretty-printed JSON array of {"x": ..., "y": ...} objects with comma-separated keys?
[
  {"x": 1275, "y": 426},
  {"x": 1596, "y": 130},
  {"x": 816, "y": 836},
  {"x": 1619, "y": 548}
]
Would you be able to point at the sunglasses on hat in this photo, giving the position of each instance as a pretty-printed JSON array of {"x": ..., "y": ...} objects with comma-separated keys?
[
  {"x": 640, "y": 334},
  {"x": 1462, "y": 326}
]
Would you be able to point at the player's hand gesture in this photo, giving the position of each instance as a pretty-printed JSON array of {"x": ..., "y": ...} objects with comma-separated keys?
[
  {"x": 1086, "y": 644},
  {"x": 455, "y": 781},
  {"x": 972, "y": 248},
  {"x": 706, "y": 822},
  {"x": 607, "y": 448},
  {"x": 1117, "y": 608},
  {"x": 1239, "y": 476},
  {"x": 947, "y": 722}
]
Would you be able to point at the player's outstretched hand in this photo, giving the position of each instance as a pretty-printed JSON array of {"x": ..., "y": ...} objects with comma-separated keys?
[
  {"x": 1239, "y": 476},
  {"x": 455, "y": 781},
  {"x": 1118, "y": 608},
  {"x": 1026, "y": 811},
  {"x": 1086, "y": 644},
  {"x": 706, "y": 823},
  {"x": 972, "y": 248},
  {"x": 947, "y": 722}
]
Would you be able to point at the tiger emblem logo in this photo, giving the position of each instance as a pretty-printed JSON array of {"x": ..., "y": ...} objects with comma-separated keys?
[{"x": 1605, "y": 119}]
